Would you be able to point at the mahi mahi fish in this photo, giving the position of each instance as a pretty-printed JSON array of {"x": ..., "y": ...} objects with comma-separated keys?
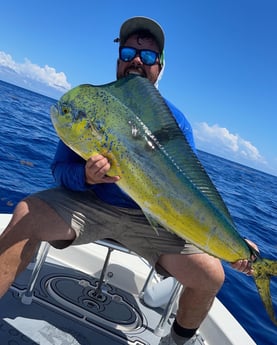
[{"x": 129, "y": 122}]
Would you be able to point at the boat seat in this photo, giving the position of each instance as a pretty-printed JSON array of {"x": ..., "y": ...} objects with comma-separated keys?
[
  {"x": 111, "y": 245},
  {"x": 41, "y": 255}
]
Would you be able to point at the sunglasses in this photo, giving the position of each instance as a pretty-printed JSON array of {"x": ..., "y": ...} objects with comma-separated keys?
[{"x": 148, "y": 57}]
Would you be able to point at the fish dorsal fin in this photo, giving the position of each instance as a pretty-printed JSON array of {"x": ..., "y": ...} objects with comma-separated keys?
[{"x": 144, "y": 100}]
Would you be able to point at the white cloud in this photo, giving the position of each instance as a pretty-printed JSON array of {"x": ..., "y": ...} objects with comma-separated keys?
[
  {"x": 46, "y": 75},
  {"x": 7, "y": 61},
  {"x": 220, "y": 141}
]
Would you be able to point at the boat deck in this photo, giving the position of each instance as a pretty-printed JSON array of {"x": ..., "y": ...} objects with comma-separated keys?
[
  {"x": 66, "y": 305},
  {"x": 67, "y": 308}
]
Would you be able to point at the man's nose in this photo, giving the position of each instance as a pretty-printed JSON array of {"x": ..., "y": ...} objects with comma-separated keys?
[{"x": 137, "y": 60}]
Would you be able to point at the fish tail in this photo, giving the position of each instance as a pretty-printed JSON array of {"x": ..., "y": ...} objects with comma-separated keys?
[{"x": 264, "y": 269}]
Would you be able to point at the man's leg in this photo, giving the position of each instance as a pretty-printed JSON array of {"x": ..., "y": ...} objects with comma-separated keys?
[
  {"x": 33, "y": 221},
  {"x": 202, "y": 275}
]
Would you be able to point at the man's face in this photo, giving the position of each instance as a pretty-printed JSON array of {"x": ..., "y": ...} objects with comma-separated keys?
[{"x": 136, "y": 66}]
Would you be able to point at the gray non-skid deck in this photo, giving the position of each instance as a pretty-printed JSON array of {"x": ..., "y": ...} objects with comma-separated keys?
[{"x": 67, "y": 309}]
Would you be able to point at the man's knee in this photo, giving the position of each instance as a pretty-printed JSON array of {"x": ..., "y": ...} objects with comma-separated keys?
[
  {"x": 40, "y": 221},
  {"x": 214, "y": 274},
  {"x": 30, "y": 205},
  {"x": 195, "y": 270}
]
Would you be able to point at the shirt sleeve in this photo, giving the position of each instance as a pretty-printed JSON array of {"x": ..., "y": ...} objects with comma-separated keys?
[
  {"x": 183, "y": 124},
  {"x": 68, "y": 169}
]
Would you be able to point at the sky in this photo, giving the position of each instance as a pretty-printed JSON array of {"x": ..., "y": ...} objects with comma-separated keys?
[{"x": 221, "y": 62}]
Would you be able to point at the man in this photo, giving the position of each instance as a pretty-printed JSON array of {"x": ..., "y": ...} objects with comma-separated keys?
[{"x": 89, "y": 206}]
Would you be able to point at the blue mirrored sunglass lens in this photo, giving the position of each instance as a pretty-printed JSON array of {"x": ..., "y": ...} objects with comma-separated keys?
[
  {"x": 127, "y": 54},
  {"x": 148, "y": 57}
]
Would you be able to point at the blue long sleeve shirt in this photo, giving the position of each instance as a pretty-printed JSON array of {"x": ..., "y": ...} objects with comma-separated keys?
[{"x": 68, "y": 168}]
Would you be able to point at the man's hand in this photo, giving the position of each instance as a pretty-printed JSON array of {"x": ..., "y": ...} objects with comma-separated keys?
[
  {"x": 96, "y": 169},
  {"x": 245, "y": 266}
]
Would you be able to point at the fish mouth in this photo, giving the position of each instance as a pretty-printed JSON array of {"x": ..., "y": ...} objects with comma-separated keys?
[{"x": 54, "y": 110}]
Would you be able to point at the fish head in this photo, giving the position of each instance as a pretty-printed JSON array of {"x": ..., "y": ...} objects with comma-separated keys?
[
  {"x": 91, "y": 121},
  {"x": 79, "y": 122}
]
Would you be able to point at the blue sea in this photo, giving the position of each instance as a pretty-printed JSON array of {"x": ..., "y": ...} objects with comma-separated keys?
[{"x": 27, "y": 145}]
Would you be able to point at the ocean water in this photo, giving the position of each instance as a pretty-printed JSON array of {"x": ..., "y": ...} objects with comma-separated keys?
[{"x": 27, "y": 145}]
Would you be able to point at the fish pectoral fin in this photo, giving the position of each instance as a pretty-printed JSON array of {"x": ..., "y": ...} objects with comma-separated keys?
[
  {"x": 154, "y": 224},
  {"x": 264, "y": 269}
]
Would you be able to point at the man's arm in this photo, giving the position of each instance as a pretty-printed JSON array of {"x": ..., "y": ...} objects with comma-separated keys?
[{"x": 68, "y": 169}]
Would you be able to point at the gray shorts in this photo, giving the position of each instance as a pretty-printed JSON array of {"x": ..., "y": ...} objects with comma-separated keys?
[{"x": 92, "y": 219}]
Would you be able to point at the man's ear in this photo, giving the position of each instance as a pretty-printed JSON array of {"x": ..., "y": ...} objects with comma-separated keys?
[{"x": 161, "y": 67}]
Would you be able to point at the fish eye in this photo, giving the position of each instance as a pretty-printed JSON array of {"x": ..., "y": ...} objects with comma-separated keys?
[{"x": 63, "y": 108}]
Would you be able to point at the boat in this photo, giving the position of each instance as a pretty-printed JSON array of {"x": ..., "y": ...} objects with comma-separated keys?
[{"x": 100, "y": 294}]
